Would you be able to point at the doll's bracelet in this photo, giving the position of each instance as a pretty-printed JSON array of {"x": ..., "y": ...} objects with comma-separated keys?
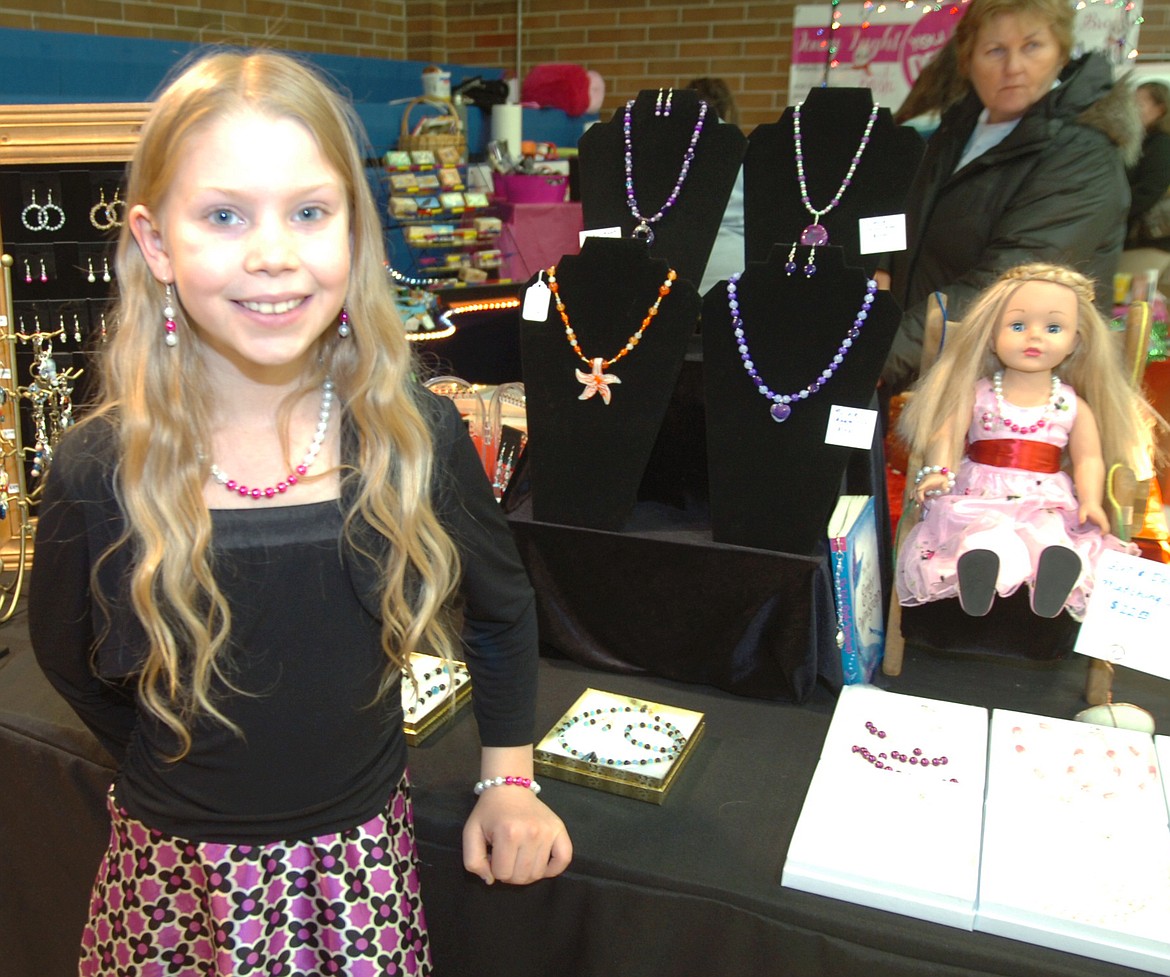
[
  {"x": 935, "y": 470},
  {"x": 528, "y": 782}
]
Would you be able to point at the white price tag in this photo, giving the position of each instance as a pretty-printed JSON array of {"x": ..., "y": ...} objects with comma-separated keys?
[
  {"x": 851, "y": 427},
  {"x": 882, "y": 233},
  {"x": 536, "y": 300},
  {"x": 8, "y": 434},
  {"x": 1128, "y": 614},
  {"x": 5, "y": 373},
  {"x": 600, "y": 232}
]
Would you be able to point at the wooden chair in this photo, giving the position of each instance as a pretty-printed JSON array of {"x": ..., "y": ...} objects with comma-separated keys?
[{"x": 1126, "y": 495}]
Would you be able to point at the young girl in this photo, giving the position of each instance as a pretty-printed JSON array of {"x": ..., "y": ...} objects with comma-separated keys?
[
  {"x": 241, "y": 546},
  {"x": 1030, "y": 380}
]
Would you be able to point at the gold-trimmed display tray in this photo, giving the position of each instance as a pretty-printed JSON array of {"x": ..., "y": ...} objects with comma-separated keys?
[
  {"x": 606, "y": 739},
  {"x": 419, "y": 720}
]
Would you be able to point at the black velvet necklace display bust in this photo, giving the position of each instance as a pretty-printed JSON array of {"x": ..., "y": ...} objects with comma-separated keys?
[
  {"x": 832, "y": 123},
  {"x": 586, "y": 456},
  {"x": 685, "y": 234},
  {"x": 773, "y": 485}
]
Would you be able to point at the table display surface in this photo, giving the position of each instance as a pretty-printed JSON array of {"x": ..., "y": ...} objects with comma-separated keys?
[{"x": 691, "y": 886}]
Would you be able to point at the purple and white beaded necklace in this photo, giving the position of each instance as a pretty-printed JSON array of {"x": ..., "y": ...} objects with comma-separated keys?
[
  {"x": 815, "y": 235},
  {"x": 644, "y": 231},
  {"x": 782, "y": 403}
]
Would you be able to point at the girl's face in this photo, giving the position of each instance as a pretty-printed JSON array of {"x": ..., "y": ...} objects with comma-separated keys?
[
  {"x": 254, "y": 233},
  {"x": 1038, "y": 329}
]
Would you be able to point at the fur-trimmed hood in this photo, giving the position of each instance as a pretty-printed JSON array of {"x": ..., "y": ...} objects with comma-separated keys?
[{"x": 1112, "y": 109}]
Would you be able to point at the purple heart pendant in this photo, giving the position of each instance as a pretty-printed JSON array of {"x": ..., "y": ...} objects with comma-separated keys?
[{"x": 780, "y": 412}]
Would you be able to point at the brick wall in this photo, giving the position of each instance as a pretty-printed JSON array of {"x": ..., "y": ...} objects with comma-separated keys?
[
  {"x": 634, "y": 44},
  {"x": 369, "y": 28},
  {"x": 640, "y": 44}
]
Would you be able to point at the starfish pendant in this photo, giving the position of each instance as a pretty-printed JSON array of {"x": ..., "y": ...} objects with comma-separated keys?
[{"x": 596, "y": 382}]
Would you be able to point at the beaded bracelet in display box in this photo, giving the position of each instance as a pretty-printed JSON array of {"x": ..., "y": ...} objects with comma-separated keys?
[
  {"x": 620, "y": 744},
  {"x": 428, "y": 705}
]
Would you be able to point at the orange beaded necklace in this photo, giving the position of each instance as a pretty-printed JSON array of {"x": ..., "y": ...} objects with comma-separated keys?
[{"x": 597, "y": 381}]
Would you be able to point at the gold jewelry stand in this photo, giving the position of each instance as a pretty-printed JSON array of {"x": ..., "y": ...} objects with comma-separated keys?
[{"x": 65, "y": 135}]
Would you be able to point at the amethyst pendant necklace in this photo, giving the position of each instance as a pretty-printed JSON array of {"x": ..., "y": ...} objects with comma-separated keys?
[
  {"x": 644, "y": 231},
  {"x": 816, "y": 235},
  {"x": 782, "y": 403}
]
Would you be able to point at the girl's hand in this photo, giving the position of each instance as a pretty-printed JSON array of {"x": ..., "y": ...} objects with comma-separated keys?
[
  {"x": 513, "y": 836},
  {"x": 1091, "y": 512}
]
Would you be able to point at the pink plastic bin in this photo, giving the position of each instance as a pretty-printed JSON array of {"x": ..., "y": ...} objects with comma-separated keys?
[{"x": 531, "y": 188}]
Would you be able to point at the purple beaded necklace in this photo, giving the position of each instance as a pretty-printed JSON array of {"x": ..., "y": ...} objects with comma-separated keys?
[
  {"x": 644, "y": 231},
  {"x": 816, "y": 235},
  {"x": 782, "y": 403}
]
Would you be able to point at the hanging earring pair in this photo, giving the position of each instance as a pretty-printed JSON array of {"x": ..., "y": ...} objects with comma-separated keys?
[
  {"x": 171, "y": 336},
  {"x": 661, "y": 107}
]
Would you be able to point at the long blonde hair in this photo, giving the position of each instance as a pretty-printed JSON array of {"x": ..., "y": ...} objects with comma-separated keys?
[
  {"x": 156, "y": 399},
  {"x": 1093, "y": 369}
]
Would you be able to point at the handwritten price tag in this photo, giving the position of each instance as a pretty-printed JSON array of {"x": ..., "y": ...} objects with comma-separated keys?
[{"x": 1128, "y": 615}]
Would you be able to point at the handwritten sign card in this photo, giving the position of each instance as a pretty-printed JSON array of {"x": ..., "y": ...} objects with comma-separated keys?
[{"x": 1128, "y": 616}]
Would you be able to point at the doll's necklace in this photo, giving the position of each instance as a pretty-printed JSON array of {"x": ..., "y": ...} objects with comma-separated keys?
[
  {"x": 297, "y": 473},
  {"x": 597, "y": 381},
  {"x": 816, "y": 235},
  {"x": 782, "y": 403},
  {"x": 1055, "y": 403},
  {"x": 644, "y": 231}
]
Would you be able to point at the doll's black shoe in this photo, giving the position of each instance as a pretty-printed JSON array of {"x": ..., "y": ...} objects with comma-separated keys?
[
  {"x": 1056, "y": 575},
  {"x": 978, "y": 570}
]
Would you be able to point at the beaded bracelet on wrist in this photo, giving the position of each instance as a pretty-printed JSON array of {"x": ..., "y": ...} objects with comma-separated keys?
[
  {"x": 527, "y": 782},
  {"x": 936, "y": 470}
]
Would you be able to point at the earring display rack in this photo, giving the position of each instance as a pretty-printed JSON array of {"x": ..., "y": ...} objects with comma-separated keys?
[{"x": 60, "y": 210}]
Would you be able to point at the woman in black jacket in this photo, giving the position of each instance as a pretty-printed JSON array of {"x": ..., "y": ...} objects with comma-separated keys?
[{"x": 1029, "y": 166}]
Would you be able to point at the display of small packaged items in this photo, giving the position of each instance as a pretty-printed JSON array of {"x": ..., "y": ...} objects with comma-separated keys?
[
  {"x": 474, "y": 199},
  {"x": 397, "y": 159},
  {"x": 427, "y": 701},
  {"x": 422, "y": 158},
  {"x": 488, "y": 226},
  {"x": 448, "y": 156},
  {"x": 450, "y": 178},
  {"x": 620, "y": 744},
  {"x": 428, "y": 206},
  {"x": 489, "y": 258},
  {"x": 403, "y": 208},
  {"x": 452, "y": 202}
]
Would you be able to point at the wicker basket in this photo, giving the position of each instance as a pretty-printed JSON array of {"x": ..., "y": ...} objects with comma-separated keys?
[{"x": 434, "y": 132}]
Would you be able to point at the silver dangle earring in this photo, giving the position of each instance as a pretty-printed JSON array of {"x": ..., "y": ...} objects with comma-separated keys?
[
  {"x": 343, "y": 324},
  {"x": 171, "y": 337}
]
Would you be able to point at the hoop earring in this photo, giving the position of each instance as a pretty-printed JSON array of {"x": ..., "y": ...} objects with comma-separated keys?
[
  {"x": 26, "y": 214},
  {"x": 45, "y": 208},
  {"x": 171, "y": 338},
  {"x": 101, "y": 205},
  {"x": 343, "y": 329}
]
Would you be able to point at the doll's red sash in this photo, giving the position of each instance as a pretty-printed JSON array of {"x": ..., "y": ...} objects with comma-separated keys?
[{"x": 1032, "y": 456}]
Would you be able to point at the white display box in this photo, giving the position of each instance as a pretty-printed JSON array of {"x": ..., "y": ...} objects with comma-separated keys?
[
  {"x": 925, "y": 861},
  {"x": 1162, "y": 747},
  {"x": 1076, "y": 847}
]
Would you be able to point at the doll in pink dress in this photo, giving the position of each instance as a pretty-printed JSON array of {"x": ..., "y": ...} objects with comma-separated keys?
[{"x": 1018, "y": 422}]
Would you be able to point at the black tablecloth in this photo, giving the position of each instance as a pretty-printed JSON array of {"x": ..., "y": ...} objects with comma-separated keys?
[{"x": 690, "y": 887}]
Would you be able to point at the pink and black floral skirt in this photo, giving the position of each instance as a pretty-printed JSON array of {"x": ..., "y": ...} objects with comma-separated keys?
[{"x": 345, "y": 903}]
